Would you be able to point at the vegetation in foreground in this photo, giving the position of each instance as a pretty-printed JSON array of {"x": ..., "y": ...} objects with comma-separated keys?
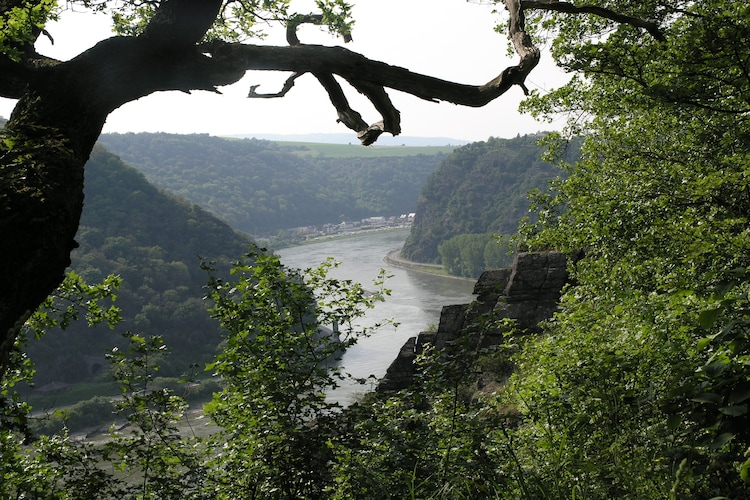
[{"x": 464, "y": 430}]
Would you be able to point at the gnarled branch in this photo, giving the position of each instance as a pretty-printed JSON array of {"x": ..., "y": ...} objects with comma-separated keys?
[
  {"x": 288, "y": 84},
  {"x": 371, "y": 78},
  {"x": 296, "y": 21},
  {"x": 355, "y": 69}
]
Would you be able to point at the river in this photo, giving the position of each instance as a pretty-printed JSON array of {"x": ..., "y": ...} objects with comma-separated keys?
[{"x": 415, "y": 303}]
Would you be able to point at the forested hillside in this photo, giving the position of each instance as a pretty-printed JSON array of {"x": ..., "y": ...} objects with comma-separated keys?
[
  {"x": 260, "y": 187},
  {"x": 480, "y": 188},
  {"x": 153, "y": 241}
]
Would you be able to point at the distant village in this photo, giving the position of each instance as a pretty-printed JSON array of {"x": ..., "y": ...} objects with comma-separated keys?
[{"x": 294, "y": 235}]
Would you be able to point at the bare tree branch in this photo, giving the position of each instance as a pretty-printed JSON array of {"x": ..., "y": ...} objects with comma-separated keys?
[
  {"x": 371, "y": 78},
  {"x": 379, "y": 98},
  {"x": 288, "y": 84},
  {"x": 356, "y": 68},
  {"x": 347, "y": 115}
]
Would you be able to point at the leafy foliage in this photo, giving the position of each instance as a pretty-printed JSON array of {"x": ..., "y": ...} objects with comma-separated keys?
[
  {"x": 440, "y": 438},
  {"x": 150, "y": 458},
  {"x": 167, "y": 464},
  {"x": 72, "y": 298},
  {"x": 278, "y": 363},
  {"x": 236, "y": 21},
  {"x": 20, "y": 25},
  {"x": 33, "y": 470},
  {"x": 480, "y": 188},
  {"x": 273, "y": 412},
  {"x": 639, "y": 368},
  {"x": 469, "y": 255}
]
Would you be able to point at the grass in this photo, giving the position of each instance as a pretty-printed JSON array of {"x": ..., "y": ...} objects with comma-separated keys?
[
  {"x": 354, "y": 150},
  {"x": 73, "y": 394},
  {"x": 89, "y": 407}
]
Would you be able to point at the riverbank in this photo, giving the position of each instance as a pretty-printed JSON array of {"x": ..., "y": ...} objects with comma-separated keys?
[
  {"x": 393, "y": 258},
  {"x": 343, "y": 236}
]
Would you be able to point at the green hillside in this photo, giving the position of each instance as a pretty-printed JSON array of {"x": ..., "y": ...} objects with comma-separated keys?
[
  {"x": 480, "y": 188},
  {"x": 153, "y": 241},
  {"x": 260, "y": 187}
]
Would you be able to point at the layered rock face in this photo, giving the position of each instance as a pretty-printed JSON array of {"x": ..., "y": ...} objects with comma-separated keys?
[{"x": 527, "y": 293}]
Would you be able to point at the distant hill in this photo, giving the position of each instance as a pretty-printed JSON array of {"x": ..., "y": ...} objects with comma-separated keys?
[
  {"x": 480, "y": 188},
  {"x": 260, "y": 187},
  {"x": 153, "y": 240},
  {"x": 329, "y": 150},
  {"x": 383, "y": 140}
]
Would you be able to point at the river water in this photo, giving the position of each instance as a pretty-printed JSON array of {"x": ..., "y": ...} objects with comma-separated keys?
[{"x": 415, "y": 302}]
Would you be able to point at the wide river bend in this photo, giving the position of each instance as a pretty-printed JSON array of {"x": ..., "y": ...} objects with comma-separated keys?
[{"x": 415, "y": 303}]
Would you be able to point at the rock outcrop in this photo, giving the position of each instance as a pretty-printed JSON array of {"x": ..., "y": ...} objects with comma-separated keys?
[{"x": 527, "y": 293}]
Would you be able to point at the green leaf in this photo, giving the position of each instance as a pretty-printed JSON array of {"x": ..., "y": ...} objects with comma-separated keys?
[
  {"x": 708, "y": 318},
  {"x": 707, "y": 397},
  {"x": 740, "y": 394},
  {"x": 745, "y": 471},
  {"x": 734, "y": 411},
  {"x": 704, "y": 342},
  {"x": 674, "y": 421},
  {"x": 721, "y": 440}
]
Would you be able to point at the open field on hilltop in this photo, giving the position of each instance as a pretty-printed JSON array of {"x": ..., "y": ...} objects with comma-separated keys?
[{"x": 355, "y": 150}]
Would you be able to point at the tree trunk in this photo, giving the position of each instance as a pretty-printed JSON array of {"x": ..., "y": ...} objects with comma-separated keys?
[
  {"x": 46, "y": 144},
  {"x": 41, "y": 198}
]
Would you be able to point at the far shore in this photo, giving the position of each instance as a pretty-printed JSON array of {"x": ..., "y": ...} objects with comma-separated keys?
[
  {"x": 343, "y": 236},
  {"x": 394, "y": 259}
]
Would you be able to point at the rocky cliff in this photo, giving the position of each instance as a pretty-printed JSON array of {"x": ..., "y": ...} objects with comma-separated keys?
[{"x": 527, "y": 293}]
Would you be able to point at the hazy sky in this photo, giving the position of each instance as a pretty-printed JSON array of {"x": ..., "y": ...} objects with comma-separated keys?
[{"x": 449, "y": 39}]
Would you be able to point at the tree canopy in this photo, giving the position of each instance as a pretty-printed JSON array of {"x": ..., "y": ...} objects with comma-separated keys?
[
  {"x": 649, "y": 348},
  {"x": 480, "y": 188},
  {"x": 154, "y": 243},
  {"x": 261, "y": 187}
]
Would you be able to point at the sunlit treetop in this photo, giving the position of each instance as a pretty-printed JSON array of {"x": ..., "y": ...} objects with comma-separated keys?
[
  {"x": 236, "y": 21},
  {"x": 233, "y": 21}
]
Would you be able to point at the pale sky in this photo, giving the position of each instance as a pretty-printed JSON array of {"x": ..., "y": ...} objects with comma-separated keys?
[{"x": 449, "y": 39}]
